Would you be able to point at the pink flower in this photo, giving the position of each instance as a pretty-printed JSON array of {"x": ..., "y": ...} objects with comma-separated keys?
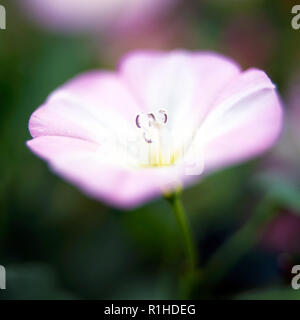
[
  {"x": 94, "y": 15},
  {"x": 161, "y": 120}
]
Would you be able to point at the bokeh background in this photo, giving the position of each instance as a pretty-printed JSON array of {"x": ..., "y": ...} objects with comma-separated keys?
[{"x": 58, "y": 244}]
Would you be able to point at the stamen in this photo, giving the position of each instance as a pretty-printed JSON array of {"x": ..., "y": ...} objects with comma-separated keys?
[
  {"x": 147, "y": 137},
  {"x": 151, "y": 118},
  {"x": 163, "y": 117},
  {"x": 153, "y": 132},
  {"x": 137, "y": 121},
  {"x": 145, "y": 120}
]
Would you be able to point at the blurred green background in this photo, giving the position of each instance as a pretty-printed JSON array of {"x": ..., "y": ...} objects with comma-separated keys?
[{"x": 58, "y": 244}]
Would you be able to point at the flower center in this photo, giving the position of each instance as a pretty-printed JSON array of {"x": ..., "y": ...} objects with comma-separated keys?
[{"x": 155, "y": 133}]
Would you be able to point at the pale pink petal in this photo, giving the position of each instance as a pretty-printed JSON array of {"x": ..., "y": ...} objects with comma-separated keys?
[
  {"x": 82, "y": 163},
  {"x": 177, "y": 80},
  {"x": 115, "y": 185},
  {"x": 52, "y": 147},
  {"x": 94, "y": 106},
  {"x": 245, "y": 121},
  {"x": 185, "y": 84}
]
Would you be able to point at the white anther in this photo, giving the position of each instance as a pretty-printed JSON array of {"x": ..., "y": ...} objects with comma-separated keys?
[{"x": 162, "y": 117}]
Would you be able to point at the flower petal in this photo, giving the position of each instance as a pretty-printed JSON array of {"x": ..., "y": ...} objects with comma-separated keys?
[
  {"x": 50, "y": 147},
  {"x": 87, "y": 166},
  {"x": 245, "y": 121},
  {"x": 184, "y": 84},
  {"x": 95, "y": 106}
]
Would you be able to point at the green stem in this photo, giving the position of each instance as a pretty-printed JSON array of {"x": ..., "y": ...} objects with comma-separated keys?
[{"x": 181, "y": 217}]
